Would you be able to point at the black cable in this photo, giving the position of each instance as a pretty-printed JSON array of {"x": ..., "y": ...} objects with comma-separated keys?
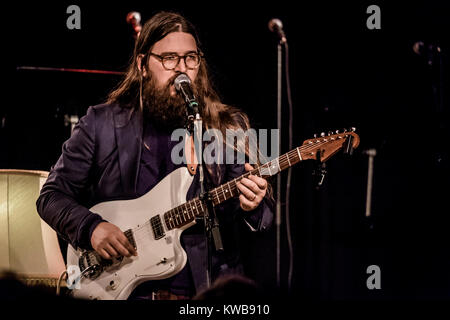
[{"x": 289, "y": 174}]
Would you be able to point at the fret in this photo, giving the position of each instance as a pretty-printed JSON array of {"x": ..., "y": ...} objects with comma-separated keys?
[
  {"x": 289, "y": 160},
  {"x": 173, "y": 217},
  {"x": 299, "y": 155},
  {"x": 234, "y": 188},
  {"x": 218, "y": 198},
  {"x": 201, "y": 206},
  {"x": 235, "y": 185},
  {"x": 218, "y": 194},
  {"x": 196, "y": 208},
  {"x": 271, "y": 168},
  {"x": 183, "y": 211},
  {"x": 170, "y": 218},
  {"x": 281, "y": 160},
  {"x": 229, "y": 189},
  {"x": 188, "y": 207},
  {"x": 192, "y": 205},
  {"x": 268, "y": 167},
  {"x": 223, "y": 193},
  {"x": 170, "y": 215},
  {"x": 177, "y": 214},
  {"x": 226, "y": 192},
  {"x": 263, "y": 170},
  {"x": 166, "y": 220},
  {"x": 215, "y": 189}
]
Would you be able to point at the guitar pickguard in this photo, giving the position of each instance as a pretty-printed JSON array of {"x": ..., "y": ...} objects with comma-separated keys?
[{"x": 160, "y": 254}]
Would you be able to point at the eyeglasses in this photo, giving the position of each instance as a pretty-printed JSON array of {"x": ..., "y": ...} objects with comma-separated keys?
[{"x": 170, "y": 61}]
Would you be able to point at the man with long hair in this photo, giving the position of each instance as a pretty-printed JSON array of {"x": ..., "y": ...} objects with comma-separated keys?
[{"x": 122, "y": 149}]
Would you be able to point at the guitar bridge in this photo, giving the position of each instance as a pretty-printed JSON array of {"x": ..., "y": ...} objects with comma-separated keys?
[{"x": 91, "y": 264}]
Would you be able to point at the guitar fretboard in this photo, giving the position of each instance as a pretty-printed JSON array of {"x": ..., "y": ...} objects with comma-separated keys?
[
  {"x": 271, "y": 168},
  {"x": 189, "y": 211}
]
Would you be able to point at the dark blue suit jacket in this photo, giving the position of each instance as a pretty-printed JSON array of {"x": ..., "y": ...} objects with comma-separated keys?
[{"x": 100, "y": 162}]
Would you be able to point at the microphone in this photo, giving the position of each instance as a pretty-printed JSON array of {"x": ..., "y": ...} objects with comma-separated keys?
[
  {"x": 134, "y": 20},
  {"x": 182, "y": 84},
  {"x": 275, "y": 25}
]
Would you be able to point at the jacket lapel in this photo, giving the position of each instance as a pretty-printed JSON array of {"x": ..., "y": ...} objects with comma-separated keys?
[{"x": 128, "y": 131}]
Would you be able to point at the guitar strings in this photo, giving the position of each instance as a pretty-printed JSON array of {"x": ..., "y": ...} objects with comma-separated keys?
[{"x": 284, "y": 161}]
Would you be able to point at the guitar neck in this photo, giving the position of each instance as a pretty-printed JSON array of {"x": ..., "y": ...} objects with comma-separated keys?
[
  {"x": 189, "y": 211},
  {"x": 318, "y": 148},
  {"x": 271, "y": 168}
]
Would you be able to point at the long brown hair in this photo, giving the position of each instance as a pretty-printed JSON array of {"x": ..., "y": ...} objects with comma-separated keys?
[{"x": 215, "y": 114}]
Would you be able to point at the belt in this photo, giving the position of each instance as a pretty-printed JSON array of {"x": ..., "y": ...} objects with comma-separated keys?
[{"x": 167, "y": 295}]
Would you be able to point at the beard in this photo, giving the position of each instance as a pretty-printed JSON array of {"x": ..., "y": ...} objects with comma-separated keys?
[{"x": 164, "y": 111}]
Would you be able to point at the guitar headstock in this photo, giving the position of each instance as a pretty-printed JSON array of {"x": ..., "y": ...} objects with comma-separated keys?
[{"x": 323, "y": 147}]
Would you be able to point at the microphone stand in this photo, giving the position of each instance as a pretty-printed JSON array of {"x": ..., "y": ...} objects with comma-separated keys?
[
  {"x": 210, "y": 220},
  {"x": 278, "y": 203}
]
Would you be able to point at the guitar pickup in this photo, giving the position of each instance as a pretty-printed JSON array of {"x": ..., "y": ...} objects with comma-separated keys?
[
  {"x": 129, "y": 234},
  {"x": 158, "y": 230}
]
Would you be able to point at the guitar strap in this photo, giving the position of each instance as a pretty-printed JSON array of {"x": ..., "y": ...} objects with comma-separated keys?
[{"x": 191, "y": 158}]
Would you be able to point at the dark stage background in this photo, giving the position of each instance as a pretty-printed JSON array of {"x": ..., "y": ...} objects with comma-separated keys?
[{"x": 343, "y": 75}]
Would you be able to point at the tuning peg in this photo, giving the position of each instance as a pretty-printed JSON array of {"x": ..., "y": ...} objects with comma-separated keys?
[
  {"x": 345, "y": 130},
  {"x": 330, "y": 133},
  {"x": 322, "y": 134},
  {"x": 337, "y": 131},
  {"x": 353, "y": 129},
  {"x": 315, "y": 135}
]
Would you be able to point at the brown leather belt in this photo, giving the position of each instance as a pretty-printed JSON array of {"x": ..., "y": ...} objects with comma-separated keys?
[{"x": 167, "y": 295}]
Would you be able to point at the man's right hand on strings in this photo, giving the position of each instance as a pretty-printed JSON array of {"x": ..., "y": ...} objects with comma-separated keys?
[{"x": 110, "y": 242}]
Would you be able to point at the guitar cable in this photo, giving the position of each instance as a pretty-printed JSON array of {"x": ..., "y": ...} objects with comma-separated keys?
[{"x": 58, "y": 284}]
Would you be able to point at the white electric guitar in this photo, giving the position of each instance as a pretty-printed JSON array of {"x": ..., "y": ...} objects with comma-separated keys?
[{"x": 154, "y": 222}]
